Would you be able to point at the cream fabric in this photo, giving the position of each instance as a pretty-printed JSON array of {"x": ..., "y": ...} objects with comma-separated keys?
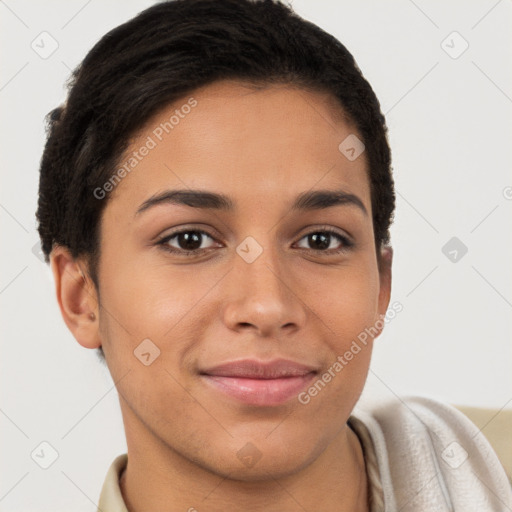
[
  {"x": 111, "y": 499},
  {"x": 431, "y": 458},
  {"x": 496, "y": 425}
]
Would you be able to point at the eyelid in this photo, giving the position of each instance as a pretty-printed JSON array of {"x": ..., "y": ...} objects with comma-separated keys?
[
  {"x": 316, "y": 228},
  {"x": 305, "y": 230},
  {"x": 163, "y": 240}
]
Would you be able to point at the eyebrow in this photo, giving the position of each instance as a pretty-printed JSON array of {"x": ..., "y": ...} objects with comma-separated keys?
[{"x": 311, "y": 200}]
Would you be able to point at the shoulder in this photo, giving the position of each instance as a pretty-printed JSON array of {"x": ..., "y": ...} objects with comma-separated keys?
[{"x": 432, "y": 457}]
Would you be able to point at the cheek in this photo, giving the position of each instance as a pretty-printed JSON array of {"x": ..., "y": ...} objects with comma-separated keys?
[
  {"x": 150, "y": 301},
  {"x": 347, "y": 305},
  {"x": 347, "y": 315},
  {"x": 164, "y": 305}
]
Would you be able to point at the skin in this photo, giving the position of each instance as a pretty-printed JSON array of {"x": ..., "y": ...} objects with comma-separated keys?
[{"x": 261, "y": 148}]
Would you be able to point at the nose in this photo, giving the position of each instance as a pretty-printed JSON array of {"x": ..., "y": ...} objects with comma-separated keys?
[{"x": 260, "y": 296}]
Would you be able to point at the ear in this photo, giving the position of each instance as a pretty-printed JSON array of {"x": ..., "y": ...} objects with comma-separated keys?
[
  {"x": 385, "y": 264},
  {"x": 76, "y": 296}
]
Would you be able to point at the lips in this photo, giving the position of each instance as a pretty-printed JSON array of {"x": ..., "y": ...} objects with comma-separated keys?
[{"x": 259, "y": 383}]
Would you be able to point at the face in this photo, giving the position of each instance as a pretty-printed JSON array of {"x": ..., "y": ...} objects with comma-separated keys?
[{"x": 219, "y": 318}]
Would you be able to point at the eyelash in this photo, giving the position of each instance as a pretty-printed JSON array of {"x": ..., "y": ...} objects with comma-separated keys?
[{"x": 163, "y": 242}]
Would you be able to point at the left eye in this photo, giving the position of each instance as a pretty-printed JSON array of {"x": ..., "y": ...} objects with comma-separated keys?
[{"x": 323, "y": 239}]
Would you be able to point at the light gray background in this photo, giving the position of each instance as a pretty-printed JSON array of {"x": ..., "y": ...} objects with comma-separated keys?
[{"x": 450, "y": 131}]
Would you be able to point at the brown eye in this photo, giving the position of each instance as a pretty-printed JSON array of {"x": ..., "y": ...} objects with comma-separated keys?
[
  {"x": 185, "y": 242},
  {"x": 322, "y": 240}
]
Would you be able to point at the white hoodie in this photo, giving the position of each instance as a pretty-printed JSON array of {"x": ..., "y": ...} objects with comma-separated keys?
[{"x": 431, "y": 458}]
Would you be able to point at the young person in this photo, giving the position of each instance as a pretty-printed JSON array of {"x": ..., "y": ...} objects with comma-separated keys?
[{"x": 215, "y": 201}]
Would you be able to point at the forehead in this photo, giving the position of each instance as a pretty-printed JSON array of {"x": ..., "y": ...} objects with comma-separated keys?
[{"x": 253, "y": 144}]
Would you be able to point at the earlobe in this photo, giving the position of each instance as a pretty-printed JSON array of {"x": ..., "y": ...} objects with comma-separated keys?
[{"x": 76, "y": 296}]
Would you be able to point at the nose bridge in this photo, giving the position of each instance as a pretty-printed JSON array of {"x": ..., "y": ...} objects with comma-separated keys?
[
  {"x": 261, "y": 295},
  {"x": 260, "y": 266}
]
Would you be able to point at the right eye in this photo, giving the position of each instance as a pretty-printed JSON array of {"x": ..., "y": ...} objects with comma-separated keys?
[{"x": 187, "y": 242}]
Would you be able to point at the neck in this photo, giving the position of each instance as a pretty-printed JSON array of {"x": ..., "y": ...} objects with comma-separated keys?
[{"x": 159, "y": 478}]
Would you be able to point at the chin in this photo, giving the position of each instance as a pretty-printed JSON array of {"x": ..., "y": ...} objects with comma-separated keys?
[{"x": 260, "y": 460}]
